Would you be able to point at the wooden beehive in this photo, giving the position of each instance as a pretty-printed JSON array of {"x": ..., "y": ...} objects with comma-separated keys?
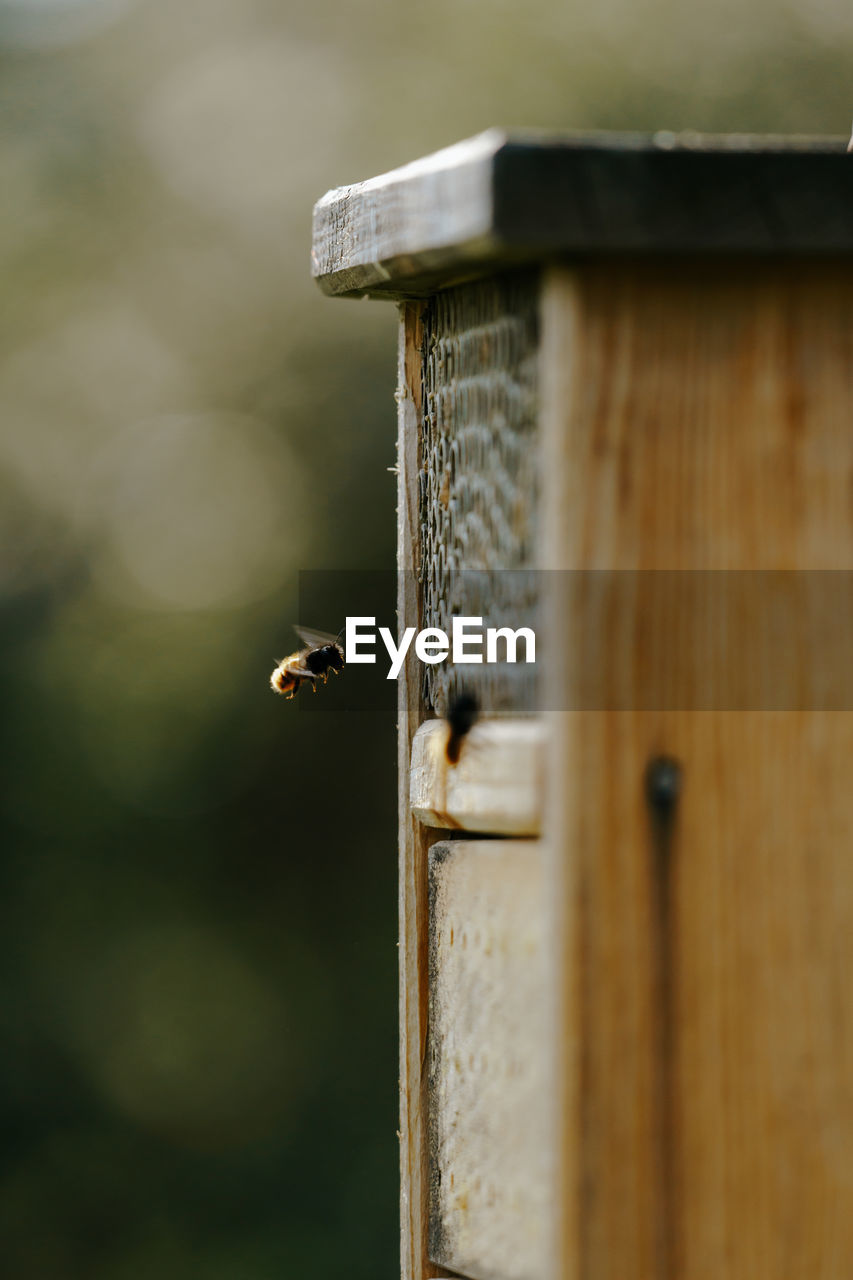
[{"x": 626, "y": 418}]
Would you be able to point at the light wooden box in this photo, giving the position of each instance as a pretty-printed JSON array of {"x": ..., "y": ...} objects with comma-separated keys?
[{"x": 626, "y": 1025}]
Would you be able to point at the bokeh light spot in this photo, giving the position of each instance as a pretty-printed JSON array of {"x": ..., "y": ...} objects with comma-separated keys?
[
  {"x": 227, "y": 129},
  {"x": 183, "y": 1036},
  {"x": 200, "y": 511}
]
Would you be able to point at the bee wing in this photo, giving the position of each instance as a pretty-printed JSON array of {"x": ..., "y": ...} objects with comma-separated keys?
[{"x": 316, "y": 639}]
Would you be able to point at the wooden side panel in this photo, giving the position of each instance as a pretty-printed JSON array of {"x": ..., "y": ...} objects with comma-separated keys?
[
  {"x": 414, "y": 840},
  {"x": 479, "y": 480},
  {"x": 701, "y": 419},
  {"x": 468, "y": 503},
  {"x": 492, "y": 1122}
]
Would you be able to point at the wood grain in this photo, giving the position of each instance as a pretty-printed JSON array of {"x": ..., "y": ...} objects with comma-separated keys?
[
  {"x": 700, "y": 418},
  {"x": 364, "y": 234}
]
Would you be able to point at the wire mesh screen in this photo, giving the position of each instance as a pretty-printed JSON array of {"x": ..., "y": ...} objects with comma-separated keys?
[{"x": 478, "y": 479}]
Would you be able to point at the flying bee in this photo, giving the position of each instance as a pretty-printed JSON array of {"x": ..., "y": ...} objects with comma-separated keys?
[
  {"x": 463, "y": 712},
  {"x": 319, "y": 655}
]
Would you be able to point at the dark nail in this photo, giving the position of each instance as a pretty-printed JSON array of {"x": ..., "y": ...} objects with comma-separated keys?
[{"x": 663, "y": 785}]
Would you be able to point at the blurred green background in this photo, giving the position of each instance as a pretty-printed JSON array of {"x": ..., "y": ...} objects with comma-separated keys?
[{"x": 198, "y": 1059}]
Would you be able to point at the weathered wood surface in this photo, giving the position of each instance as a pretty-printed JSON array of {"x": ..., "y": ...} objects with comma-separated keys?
[
  {"x": 517, "y": 197},
  {"x": 364, "y": 234},
  {"x": 492, "y": 1133},
  {"x": 414, "y": 839},
  {"x": 700, "y": 419},
  {"x": 497, "y": 785},
  {"x": 478, "y": 480}
]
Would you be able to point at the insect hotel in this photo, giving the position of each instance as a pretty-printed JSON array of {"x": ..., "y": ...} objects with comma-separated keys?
[{"x": 625, "y": 420}]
